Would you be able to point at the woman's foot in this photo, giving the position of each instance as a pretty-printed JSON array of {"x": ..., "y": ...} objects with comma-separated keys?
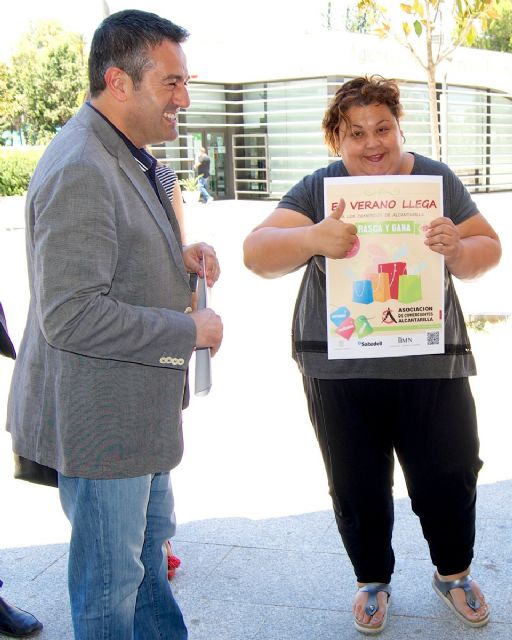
[
  {"x": 370, "y": 607},
  {"x": 463, "y": 596}
]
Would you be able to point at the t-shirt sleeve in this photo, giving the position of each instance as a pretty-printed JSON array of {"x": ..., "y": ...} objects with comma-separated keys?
[
  {"x": 168, "y": 179},
  {"x": 306, "y": 197},
  {"x": 461, "y": 205}
]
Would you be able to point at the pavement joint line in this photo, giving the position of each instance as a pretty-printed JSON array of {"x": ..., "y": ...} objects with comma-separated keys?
[{"x": 48, "y": 566}]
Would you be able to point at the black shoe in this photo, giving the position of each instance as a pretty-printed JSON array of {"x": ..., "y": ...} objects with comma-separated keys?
[{"x": 15, "y": 622}]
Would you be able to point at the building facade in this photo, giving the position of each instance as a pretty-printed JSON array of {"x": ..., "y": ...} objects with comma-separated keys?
[{"x": 265, "y": 135}]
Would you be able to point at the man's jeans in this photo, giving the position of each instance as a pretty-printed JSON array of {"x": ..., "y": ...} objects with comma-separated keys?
[
  {"x": 117, "y": 572},
  {"x": 203, "y": 188}
]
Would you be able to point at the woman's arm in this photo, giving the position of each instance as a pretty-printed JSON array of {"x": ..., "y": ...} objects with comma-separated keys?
[
  {"x": 286, "y": 240},
  {"x": 470, "y": 248}
]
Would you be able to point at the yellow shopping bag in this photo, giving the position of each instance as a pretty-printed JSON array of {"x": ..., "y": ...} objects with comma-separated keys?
[{"x": 381, "y": 288}]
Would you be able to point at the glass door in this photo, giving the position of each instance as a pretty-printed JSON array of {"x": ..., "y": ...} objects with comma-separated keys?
[{"x": 215, "y": 144}]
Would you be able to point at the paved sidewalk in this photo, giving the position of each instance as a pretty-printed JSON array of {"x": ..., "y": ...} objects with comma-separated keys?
[{"x": 261, "y": 557}]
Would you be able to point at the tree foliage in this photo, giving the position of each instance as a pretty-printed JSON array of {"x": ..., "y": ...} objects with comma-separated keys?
[
  {"x": 431, "y": 30},
  {"x": 362, "y": 20},
  {"x": 498, "y": 35},
  {"x": 7, "y": 100},
  {"x": 48, "y": 81}
]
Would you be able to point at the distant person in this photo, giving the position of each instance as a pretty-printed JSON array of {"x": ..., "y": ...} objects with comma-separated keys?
[
  {"x": 202, "y": 167},
  {"x": 364, "y": 410},
  {"x": 100, "y": 381},
  {"x": 13, "y": 621}
]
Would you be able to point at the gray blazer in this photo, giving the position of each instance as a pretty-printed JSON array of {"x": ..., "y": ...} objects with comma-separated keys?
[{"x": 98, "y": 386}]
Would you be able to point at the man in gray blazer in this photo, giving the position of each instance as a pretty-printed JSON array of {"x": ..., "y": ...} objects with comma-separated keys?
[{"x": 100, "y": 380}]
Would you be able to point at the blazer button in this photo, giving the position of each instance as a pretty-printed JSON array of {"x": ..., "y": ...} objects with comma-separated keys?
[{"x": 172, "y": 360}]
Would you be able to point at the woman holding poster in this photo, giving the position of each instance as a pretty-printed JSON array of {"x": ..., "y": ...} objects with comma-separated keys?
[{"x": 403, "y": 388}]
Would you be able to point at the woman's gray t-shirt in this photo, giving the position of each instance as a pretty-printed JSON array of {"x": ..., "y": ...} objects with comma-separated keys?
[{"x": 309, "y": 331}]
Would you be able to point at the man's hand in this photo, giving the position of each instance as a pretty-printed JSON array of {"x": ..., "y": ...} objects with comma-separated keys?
[
  {"x": 209, "y": 329},
  {"x": 192, "y": 256}
]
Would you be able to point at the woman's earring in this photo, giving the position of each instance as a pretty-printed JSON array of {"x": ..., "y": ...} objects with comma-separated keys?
[{"x": 403, "y": 137}]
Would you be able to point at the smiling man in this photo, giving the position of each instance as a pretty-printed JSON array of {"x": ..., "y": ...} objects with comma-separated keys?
[{"x": 100, "y": 380}]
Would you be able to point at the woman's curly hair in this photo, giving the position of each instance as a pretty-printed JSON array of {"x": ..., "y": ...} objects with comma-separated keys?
[{"x": 359, "y": 92}]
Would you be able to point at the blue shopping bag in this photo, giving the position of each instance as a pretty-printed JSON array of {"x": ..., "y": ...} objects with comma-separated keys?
[{"x": 362, "y": 291}]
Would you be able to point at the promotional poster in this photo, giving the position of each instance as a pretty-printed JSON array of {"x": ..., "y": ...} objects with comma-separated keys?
[{"x": 386, "y": 297}]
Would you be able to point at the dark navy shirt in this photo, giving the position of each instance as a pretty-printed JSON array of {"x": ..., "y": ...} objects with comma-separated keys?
[{"x": 144, "y": 159}]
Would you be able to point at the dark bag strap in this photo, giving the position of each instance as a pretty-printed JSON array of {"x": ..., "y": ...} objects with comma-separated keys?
[{"x": 6, "y": 345}]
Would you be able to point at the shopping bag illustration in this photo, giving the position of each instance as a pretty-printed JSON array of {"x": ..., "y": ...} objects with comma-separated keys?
[
  {"x": 341, "y": 313},
  {"x": 409, "y": 288},
  {"x": 394, "y": 270},
  {"x": 381, "y": 288},
  {"x": 363, "y": 326},
  {"x": 362, "y": 291},
  {"x": 346, "y": 328}
]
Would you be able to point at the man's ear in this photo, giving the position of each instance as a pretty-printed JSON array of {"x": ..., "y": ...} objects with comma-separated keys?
[{"x": 118, "y": 83}]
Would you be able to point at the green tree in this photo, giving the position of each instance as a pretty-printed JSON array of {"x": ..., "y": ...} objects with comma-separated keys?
[
  {"x": 431, "y": 30},
  {"x": 49, "y": 78},
  {"x": 7, "y": 101},
  {"x": 498, "y": 36},
  {"x": 362, "y": 20}
]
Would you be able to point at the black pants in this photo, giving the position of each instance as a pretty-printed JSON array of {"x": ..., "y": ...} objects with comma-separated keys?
[{"x": 432, "y": 427}]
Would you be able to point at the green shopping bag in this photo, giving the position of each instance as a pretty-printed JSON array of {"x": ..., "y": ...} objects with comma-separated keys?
[{"x": 409, "y": 288}]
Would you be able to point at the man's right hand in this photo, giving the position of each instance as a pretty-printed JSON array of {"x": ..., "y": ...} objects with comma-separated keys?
[{"x": 209, "y": 329}]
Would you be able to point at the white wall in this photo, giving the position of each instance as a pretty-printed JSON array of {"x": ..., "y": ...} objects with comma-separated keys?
[{"x": 255, "y": 56}]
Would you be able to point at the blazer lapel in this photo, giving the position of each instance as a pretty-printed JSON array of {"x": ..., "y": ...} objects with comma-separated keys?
[{"x": 165, "y": 219}]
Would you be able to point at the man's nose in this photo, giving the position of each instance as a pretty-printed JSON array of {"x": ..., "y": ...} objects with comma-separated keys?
[{"x": 181, "y": 97}]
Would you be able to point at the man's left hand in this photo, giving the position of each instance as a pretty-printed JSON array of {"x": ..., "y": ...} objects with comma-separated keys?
[{"x": 192, "y": 256}]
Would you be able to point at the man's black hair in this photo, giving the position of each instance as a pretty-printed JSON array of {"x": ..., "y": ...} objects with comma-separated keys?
[{"x": 123, "y": 40}]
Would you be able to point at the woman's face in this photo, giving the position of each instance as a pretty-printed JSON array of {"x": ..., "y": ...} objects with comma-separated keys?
[{"x": 372, "y": 145}]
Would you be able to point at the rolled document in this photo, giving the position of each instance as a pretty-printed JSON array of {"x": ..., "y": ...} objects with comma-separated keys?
[{"x": 203, "y": 373}]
